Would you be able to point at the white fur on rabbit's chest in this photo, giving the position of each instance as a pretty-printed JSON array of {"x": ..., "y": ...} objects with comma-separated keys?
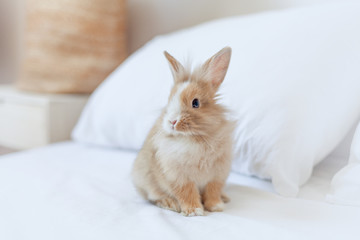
[{"x": 182, "y": 159}]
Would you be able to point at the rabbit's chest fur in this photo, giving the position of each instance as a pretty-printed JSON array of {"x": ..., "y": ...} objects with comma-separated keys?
[{"x": 182, "y": 160}]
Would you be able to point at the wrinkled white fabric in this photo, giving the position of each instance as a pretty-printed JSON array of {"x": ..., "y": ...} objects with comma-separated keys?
[
  {"x": 69, "y": 191},
  {"x": 345, "y": 186}
]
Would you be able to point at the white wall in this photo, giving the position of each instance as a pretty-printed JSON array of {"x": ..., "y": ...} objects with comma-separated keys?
[
  {"x": 147, "y": 18},
  {"x": 10, "y": 21}
]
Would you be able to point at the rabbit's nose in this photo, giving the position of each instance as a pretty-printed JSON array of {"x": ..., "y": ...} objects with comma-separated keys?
[{"x": 173, "y": 122}]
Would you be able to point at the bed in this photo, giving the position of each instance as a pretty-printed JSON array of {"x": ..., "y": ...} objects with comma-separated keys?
[
  {"x": 74, "y": 191},
  {"x": 296, "y": 96}
]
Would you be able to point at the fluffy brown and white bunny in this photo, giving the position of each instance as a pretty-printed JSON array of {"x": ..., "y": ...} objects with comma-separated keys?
[{"x": 186, "y": 157}]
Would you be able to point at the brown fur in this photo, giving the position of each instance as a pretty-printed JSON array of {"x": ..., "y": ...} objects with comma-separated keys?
[
  {"x": 181, "y": 168},
  {"x": 188, "y": 197},
  {"x": 212, "y": 195}
]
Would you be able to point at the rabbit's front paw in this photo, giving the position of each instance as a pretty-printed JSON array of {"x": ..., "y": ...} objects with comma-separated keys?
[
  {"x": 214, "y": 206},
  {"x": 192, "y": 211}
]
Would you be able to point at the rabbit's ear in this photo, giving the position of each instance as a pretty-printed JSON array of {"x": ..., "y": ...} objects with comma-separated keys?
[
  {"x": 177, "y": 69},
  {"x": 216, "y": 67}
]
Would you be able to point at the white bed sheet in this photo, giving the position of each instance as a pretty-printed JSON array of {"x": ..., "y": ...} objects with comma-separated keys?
[{"x": 71, "y": 191}]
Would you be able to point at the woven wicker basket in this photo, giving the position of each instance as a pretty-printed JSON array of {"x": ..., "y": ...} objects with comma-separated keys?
[{"x": 72, "y": 45}]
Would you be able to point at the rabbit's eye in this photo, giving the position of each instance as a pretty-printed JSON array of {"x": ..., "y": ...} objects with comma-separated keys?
[{"x": 195, "y": 103}]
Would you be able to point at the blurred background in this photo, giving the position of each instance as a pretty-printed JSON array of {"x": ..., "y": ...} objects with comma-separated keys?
[
  {"x": 144, "y": 20},
  {"x": 54, "y": 53}
]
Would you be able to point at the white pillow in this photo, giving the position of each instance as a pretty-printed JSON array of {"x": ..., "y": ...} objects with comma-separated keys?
[
  {"x": 345, "y": 186},
  {"x": 293, "y": 84}
]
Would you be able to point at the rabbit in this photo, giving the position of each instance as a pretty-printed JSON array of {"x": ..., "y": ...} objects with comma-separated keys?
[{"x": 186, "y": 157}]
